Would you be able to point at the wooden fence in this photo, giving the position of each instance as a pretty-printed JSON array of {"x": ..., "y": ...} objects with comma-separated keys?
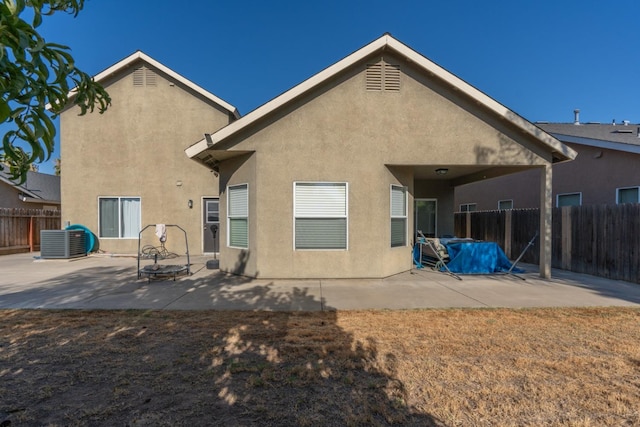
[
  {"x": 601, "y": 240},
  {"x": 20, "y": 228}
]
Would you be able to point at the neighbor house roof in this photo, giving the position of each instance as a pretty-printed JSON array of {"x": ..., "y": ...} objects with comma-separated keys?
[
  {"x": 388, "y": 44},
  {"x": 141, "y": 56},
  {"x": 38, "y": 187},
  {"x": 622, "y": 137}
]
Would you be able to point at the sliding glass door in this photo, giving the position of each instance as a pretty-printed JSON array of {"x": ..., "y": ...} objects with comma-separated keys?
[{"x": 426, "y": 211}]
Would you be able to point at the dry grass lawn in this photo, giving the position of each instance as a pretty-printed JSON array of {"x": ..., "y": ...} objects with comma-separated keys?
[{"x": 568, "y": 367}]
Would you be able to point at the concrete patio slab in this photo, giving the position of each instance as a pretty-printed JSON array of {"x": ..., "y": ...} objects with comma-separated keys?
[{"x": 104, "y": 282}]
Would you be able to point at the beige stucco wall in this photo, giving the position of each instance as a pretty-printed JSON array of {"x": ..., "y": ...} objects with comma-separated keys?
[
  {"x": 371, "y": 140},
  {"x": 9, "y": 197},
  {"x": 240, "y": 170},
  {"x": 136, "y": 149}
]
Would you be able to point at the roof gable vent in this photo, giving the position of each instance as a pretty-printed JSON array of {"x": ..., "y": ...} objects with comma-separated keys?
[
  {"x": 392, "y": 77},
  {"x": 150, "y": 77},
  {"x": 138, "y": 77},
  {"x": 374, "y": 76},
  {"x": 144, "y": 76},
  {"x": 383, "y": 76}
]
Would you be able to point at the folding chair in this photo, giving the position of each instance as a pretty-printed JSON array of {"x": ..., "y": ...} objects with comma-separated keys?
[{"x": 438, "y": 256}]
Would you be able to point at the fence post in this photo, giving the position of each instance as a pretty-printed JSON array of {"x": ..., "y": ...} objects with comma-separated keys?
[
  {"x": 468, "y": 231},
  {"x": 31, "y": 233},
  {"x": 566, "y": 237},
  {"x": 507, "y": 233}
]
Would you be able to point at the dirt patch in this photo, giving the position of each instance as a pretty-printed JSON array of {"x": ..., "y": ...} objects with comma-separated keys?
[{"x": 574, "y": 367}]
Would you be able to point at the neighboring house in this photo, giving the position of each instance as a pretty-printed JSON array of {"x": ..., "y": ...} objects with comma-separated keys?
[
  {"x": 606, "y": 171},
  {"x": 126, "y": 169},
  {"x": 39, "y": 191},
  {"x": 332, "y": 178}
]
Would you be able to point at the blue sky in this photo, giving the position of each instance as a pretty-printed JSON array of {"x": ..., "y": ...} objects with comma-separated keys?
[{"x": 541, "y": 59}]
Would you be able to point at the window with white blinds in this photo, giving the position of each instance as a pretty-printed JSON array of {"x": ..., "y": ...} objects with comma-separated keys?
[
  {"x": 398, "y": 216},
  {"x": 320, "y": 215},
  {"x": 238, "y": 216}
]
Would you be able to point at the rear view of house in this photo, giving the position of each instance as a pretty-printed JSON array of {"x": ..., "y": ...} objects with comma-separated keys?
[
  {"x": 334, "y": 177},
  {"x": 126, "y": 168}
]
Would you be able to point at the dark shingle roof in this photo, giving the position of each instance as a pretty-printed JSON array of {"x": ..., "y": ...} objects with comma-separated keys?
[{"x": 619, "y": 133}]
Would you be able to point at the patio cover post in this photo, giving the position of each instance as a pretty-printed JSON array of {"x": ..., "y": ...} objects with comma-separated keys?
[{"x": 546, "y": 205}]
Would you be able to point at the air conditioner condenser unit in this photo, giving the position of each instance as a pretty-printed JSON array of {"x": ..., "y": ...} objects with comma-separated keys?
[{"x": 62, "y": 244}]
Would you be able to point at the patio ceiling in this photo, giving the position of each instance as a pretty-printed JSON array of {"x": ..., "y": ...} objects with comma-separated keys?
[{"x": 462, "y": 174}]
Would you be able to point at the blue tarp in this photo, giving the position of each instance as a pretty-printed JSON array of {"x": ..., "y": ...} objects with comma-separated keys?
[
  {"x": 416, "y": 256},
  {"x": 478, "y": 258}
]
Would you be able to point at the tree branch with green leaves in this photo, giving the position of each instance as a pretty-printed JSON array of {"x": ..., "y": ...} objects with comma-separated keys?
[{"x": 37, "y": 81}]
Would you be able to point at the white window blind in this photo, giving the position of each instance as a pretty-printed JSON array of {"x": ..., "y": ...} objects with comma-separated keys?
[
  {"x": 321, "y": 199},
  {"x": 320, "y": 211},
  {"x": 238, "y": 216},
  {"x": 398, "y": 216}
]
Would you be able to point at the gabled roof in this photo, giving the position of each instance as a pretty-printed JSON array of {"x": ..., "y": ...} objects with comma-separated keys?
[
  {"x": 388, "y": 44},
  {"x": 619, "y": 137},
  {"x": 141, "y": 56},
  {"x": 38, "y": 187}
]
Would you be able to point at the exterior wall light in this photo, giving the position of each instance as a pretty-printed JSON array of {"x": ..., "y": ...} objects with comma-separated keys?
[
  {"x": 190, "y": 204},
  {"x": 442, "y": 171}
]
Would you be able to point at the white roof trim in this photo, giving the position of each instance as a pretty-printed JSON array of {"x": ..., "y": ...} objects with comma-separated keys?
[
  {"x": 599, "y": 143},
  {"x": 36, "y": 200},
  {"x": 384, "y": 42},
  {"x": 139, "y": 55}
]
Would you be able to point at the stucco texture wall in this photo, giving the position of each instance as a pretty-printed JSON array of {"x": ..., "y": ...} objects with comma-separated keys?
[
  {"x": 240, "y": 170},
  {"x": 371, "y": 140},
  {"x": 136, "y": 149},
  {"x": 9, "y": 198}
]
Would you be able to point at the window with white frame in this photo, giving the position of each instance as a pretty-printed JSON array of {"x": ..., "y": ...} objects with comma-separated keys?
[
  {"x": 238, "y": 216},
  {"x": 505, "y": 204},
  {"x": 568, "y": 199},
  {"x": 119, "y": 217},
  {"x": 628, "y": 195},
  {"x": 398, "y": 216},
  {"x": 320, "y": 215},
  {"x": 468, "y": 207}
]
